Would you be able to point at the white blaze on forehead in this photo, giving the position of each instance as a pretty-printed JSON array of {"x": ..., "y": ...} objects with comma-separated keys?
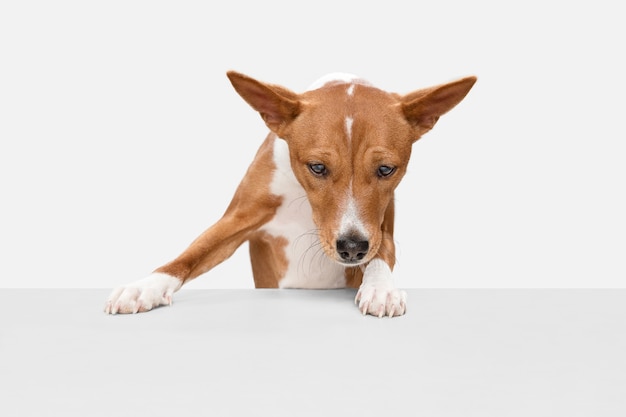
[
  {"x": 349, "y": 121},
  {"x": 337, "y": 77}
]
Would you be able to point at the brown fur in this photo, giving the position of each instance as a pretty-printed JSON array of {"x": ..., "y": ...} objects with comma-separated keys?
[{"x": 269, "y": 263}]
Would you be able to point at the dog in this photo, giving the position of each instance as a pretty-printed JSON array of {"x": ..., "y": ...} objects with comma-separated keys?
[{"x": 322, "y": 181}]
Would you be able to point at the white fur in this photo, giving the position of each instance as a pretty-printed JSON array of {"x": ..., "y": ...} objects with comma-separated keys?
[
  {"x": 341, "y": 77},
  {"x": 142, "y": 295},
  {"x": 348, "y": 124},
  {"x": 308, "y": 266},
  {"x": 350, "y": 90},
  {"x": 350, "y": 220},
  {"x": 378, "y": 295}
]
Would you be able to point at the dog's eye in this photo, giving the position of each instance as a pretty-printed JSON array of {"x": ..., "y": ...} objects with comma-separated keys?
[
  {"x": 318, "y": 169},
  {"x": 385, "y": 170}
]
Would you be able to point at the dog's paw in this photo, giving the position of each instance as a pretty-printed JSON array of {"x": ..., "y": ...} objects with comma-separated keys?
[
  {"x": 380, "y": 300},
  {"x": 143, "y": 295}
]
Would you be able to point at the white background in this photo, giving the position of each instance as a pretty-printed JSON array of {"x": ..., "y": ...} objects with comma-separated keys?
[{"x": 121, "y": 138}]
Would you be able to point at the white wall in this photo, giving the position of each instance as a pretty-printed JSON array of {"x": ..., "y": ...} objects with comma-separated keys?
[{"x": 121, "y": 138}]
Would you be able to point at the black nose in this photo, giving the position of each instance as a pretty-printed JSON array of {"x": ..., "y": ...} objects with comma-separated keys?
[{"x": 352, "y": 250}]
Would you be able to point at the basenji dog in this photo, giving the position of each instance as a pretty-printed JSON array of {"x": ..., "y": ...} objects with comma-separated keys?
[{"x": 317, "y": 203}]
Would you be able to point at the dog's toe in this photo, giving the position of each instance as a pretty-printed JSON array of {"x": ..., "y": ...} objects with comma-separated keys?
[
  {"x": 142, "y": 295},
  {"x": 381, "y": 300}
]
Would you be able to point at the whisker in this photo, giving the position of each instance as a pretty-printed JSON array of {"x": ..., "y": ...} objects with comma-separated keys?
[
  {"x": 315, "y": 242},
  {"x": 302, "y": 199},
  {"x": 320, "y": 254}
]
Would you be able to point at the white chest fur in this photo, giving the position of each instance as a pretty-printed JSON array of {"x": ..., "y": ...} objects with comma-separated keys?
[{"x": 308, "y": 266}]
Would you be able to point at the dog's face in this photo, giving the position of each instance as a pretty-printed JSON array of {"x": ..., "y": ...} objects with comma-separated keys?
[
  {"x": 349, "y": 152},
  {"x": 349, "y": 144}
]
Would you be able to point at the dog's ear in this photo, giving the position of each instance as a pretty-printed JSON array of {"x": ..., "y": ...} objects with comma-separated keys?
[
  {"x": 423, "y": 108},
  {"x": 277, "y": 105}
]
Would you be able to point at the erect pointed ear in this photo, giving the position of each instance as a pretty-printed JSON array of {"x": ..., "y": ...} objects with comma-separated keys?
[
  {"x": 277, "y": 105},
  {"x": 422, "y": 108}
]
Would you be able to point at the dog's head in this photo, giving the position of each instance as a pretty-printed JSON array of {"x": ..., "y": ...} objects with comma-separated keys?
[{"x": 349, "y": 145}]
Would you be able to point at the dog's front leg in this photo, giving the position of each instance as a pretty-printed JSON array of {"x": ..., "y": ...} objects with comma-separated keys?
[
  {"x": 378, "y": 294},
  {"x": 252, "y": 206},
  {"x": 212, "y": 247}
]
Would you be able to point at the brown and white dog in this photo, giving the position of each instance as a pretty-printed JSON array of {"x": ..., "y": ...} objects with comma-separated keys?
[{"x": 323, "y": 178}]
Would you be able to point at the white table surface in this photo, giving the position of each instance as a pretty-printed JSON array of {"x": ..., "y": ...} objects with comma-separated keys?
[{"x": 310, "y": 353}]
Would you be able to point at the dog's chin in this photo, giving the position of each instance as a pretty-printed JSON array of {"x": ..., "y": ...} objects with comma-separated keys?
[{"x": 351, "y": 264}]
